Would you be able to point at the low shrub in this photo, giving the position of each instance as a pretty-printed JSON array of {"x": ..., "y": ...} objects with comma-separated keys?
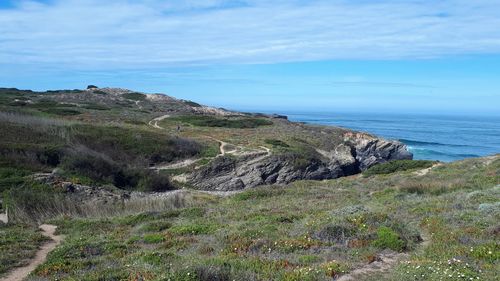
[
  {"x": 258, "y": 193},
  {"x": 336, "y": 233},
  {"x": 102, "y": 170},
  {"x": 398, "y": 166},
  {"x": 212, "y": 273},
  {"x": 277, "y": 143},
  {"x": 151, "y": 181},
  {"x": 389, "y": 239},
  {"x": 156, "y": 226},
  {"x": 154, "y": 238}
]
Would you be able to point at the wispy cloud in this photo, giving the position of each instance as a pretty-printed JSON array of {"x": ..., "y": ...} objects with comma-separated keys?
[{"x": 112, "y": 34}]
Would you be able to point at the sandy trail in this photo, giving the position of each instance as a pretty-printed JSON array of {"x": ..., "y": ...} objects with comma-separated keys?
[
  {"x": 20, "y": 273},
  {"x": 176, "y": 165},
  {"x": 425, "y": 171},
  {"x": 384, "y": 263},
  {"x": 4, "y": 218},
  {"x": 154, "y": 122}
]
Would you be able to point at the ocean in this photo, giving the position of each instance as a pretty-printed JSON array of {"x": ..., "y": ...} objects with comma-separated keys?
[{"x": 428, "y": 137}]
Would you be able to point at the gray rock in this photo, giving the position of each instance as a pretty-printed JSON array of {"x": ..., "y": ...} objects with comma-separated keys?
[{"x": 232, "y": 173}]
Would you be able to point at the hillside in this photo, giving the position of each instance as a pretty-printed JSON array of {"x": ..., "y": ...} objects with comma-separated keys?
[
  {"x": 149, "y": 187},
  {"x": 438, "y": 223},
  {"x": 153, "y": 142}
]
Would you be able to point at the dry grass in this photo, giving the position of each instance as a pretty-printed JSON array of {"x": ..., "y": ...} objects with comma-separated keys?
[{"x": 50, "y": 206}]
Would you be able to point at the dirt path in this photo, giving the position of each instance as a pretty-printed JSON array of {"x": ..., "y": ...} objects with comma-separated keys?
[
  {"x": 154, "y": 122},
  {"x": 20, "y": 273},
  {"x": 425, "y": 171},
  {"x": 4, "y": 218},
  {"x": 384, "y": 263},
  {"x": 176, "y": 165}
]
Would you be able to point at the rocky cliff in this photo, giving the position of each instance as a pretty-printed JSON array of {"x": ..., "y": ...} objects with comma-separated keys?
[{"x": 357, "y": 153}]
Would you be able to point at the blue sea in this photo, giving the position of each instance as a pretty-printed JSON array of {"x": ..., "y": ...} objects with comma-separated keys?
[{"x": 428, "y": 137}]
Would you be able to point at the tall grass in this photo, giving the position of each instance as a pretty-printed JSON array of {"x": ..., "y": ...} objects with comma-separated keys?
[
  {"x": 33, "y": 207},
  {"x": 55, "y": 127}
]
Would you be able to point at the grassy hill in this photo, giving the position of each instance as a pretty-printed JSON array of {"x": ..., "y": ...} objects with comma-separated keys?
[
  {"x": 119, "y": 171},
  {"x": 442, "y": 225}
]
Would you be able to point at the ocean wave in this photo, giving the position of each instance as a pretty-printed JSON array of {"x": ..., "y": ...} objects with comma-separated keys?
[
  {"x": 424, "y": 151},
  {"x": 415, "y": 142}
]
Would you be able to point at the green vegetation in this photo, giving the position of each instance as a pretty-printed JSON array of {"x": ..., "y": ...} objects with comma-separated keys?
[
  {"x": 228, "y": 122},
  {"x": 62, "y": 111},
  {"x": 388, "y": 239},
  {"x": 443, "y": 223},
  {"x": 134, "y": 96},
  {"x": 192, "y": 103},
  {"x": 18, "y": 243},
  {"x": 277, "y": 143},
  {"x": 397, "y": 166},
  {"x": 95, "y": 106},
  {"x": 305, "y": 231},
  {"x": 101, "y": 154}
]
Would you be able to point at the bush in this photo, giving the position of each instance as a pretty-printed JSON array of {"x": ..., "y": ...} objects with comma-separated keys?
[
  {"x": 152, "y": 181},
  {"x": 337, "y": 233},
  {"x": 154, "y": 238},
  {"x": 213, "y": 273},
  {"x": 101, "y": 169},
  {"x": 156, "y": 226},
  {"x": 388, "y": 239},
  {"x": 278, "y": 143},
  {"x": 95, "y": 167},
  {"x": 398, "y": 166}
]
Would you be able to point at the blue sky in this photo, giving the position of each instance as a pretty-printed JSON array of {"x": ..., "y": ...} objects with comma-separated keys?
[{"x": 387, "y": 55}]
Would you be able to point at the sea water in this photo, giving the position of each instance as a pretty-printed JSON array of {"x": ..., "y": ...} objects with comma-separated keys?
[{"x": 429, "y": 137}]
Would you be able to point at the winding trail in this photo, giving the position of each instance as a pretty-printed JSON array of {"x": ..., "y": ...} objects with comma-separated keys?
[
  {"x": 223, "y": 150},
  {"x": 20, "y": 273},
  {"x": 154, "y": 122}
]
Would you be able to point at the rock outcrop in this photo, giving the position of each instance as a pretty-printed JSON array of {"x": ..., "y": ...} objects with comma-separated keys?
[{"x": 353, "y": 156}]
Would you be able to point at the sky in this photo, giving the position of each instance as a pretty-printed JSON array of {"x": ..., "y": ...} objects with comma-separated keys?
[{"x": 387, "y": 55}]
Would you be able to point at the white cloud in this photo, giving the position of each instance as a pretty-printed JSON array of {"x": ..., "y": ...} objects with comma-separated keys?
[{"x": 152, "y": 33}]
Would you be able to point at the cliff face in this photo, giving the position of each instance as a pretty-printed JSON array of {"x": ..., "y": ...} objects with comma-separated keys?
[{"x": 351, "y": 157}]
